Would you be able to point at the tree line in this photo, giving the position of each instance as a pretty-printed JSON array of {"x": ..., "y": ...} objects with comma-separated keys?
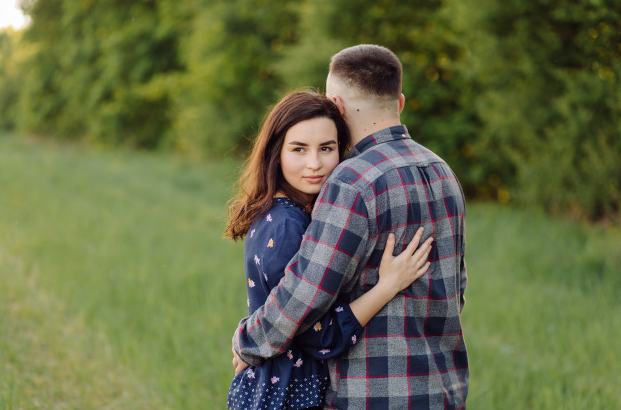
[{"x": 522, "y": 98}]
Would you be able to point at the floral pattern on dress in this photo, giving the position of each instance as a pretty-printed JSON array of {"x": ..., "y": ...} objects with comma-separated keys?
[{"x": 296, "y": 380}]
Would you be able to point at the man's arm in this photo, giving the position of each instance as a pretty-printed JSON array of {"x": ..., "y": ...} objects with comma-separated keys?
[
  {"x": 463, "y": 277},
  {"x": 334, "y": 245}
]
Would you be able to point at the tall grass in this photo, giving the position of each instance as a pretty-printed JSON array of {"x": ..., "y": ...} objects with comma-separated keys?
[
  {"x": 119, "y": 292},
  {"x": 543, "y": 314},
  {"x": 130, "y": 245}
]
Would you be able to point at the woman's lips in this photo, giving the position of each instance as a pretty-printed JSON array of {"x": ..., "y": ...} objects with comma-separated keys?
[{"x": 314, "y": 178}]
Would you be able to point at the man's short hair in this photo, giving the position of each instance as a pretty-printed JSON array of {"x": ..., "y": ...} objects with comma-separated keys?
[{"x": 371, "y": 68}]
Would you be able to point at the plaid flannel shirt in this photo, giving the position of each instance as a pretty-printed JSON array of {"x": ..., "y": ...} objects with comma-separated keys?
[{"x": 412, "y": 353}]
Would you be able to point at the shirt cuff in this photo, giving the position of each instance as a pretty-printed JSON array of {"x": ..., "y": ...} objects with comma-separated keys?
[{"x": 248, "y": 359}]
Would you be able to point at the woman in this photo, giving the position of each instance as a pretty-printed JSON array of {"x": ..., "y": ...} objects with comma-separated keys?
[{"x": 301, "y": 142}]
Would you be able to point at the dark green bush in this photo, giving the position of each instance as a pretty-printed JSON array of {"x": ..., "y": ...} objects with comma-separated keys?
[{"x": 545, "y": 86}]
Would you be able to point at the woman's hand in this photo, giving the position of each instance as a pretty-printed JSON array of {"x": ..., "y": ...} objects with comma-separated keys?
[
  {"x": 238, "y": 363},
  {"x": 398, "y": 272},
  {"x": 395, "y": 274}
]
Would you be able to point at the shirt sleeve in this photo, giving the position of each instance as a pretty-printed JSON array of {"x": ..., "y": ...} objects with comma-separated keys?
[
  {"x": 332, "y": 335},
  {"x": 463, "y": 277},
  {"x": 334, "y": 244}
]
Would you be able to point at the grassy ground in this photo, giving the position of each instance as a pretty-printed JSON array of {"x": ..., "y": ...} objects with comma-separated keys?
[{"x": 118, "y": 291}]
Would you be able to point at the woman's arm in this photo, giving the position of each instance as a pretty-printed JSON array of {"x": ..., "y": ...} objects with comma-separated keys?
[
  {"x": 337, "y": 331},
  {"x": 395, "y": 274},
  {"x": 340, "y": 328}
]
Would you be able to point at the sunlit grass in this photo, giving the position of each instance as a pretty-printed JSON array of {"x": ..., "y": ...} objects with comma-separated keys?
[
  {"x": 543, "y": 315},
  {"x": 121, "y": 293},
  {"x": 52, "y": 360},
  {"x": 131, "y": 244}
]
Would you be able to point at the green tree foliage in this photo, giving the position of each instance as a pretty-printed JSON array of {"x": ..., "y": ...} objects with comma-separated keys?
[
  {"x": 11, "y": 54},
  {"x": 231, "y": 78},
  {"x": 522, "y": 98},
  {"x": 305, "y": 62},
  {"x": 98, "y": 70},
  {"x": 546, "y": 88}
]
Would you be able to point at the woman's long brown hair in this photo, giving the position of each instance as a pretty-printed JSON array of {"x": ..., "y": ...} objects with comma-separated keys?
[{"x": 262, "y": 177}]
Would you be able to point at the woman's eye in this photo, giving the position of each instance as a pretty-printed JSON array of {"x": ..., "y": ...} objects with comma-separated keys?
[
  {"x": 327, "y": 149},
  {"x": 299, "y": 149}
]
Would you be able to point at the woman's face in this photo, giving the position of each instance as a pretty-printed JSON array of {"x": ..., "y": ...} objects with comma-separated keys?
[{"x": 309, "y": 154}]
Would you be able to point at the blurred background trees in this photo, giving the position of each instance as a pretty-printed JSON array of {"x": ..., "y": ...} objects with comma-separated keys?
[{"x": 522, "y": 98}]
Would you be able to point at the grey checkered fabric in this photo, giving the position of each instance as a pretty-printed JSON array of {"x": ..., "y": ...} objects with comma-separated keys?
[{"x": 412, "y": 354}]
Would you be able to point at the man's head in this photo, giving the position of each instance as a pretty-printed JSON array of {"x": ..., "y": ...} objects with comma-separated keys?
[
  {"x": 375, "y": 70},
  {"x": 365, "y": 81}
]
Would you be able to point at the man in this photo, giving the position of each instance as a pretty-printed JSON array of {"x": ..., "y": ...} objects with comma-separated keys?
[{"x": 412, "y": 354}]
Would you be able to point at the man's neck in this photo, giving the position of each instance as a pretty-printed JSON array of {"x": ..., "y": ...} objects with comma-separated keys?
[{"x": 360, "y": 128}]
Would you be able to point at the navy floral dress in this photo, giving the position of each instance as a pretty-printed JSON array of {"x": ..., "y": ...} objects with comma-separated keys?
[{"x": 298, "y": 378}]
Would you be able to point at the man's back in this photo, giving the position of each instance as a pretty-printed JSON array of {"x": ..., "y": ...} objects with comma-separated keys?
[{"x": 412, "y": 354}]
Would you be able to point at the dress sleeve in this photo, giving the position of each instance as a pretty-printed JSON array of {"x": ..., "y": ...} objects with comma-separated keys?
[
  {"x": 282, "y": 245},
  {"x": 334, "y": 245},
  {"x": 332, "y": 335}
]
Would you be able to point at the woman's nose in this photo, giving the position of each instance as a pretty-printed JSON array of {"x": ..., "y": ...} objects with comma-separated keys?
[{"x": 313, "y": 162}]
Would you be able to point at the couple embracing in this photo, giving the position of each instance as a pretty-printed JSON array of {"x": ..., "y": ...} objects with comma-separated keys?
[{"x": 333, "y": 188}]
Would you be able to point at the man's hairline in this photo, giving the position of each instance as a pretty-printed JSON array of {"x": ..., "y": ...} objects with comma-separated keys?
[{"x": 356, "y": 93}]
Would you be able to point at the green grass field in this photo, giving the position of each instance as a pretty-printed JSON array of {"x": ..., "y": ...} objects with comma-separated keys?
[{"x": 118, "y": 292}]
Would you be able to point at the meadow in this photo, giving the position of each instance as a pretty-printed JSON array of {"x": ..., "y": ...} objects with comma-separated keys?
[{"x": 117, "y": 290}]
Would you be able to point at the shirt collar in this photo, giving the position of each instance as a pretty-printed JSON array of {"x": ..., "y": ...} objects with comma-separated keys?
[{"x": 394, "y": 133}]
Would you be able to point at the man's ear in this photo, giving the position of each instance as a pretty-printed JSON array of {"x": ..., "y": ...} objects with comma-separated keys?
[
  {"x": 401, "y": 103},
  {"x": 339, "y": 104}
]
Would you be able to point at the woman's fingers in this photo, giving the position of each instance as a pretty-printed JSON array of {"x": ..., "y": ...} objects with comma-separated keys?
[
  {"x": 241, "y": 366},
  {"x": 424, "y": 248},
  {"x": 428, "y": 251},
  {"x": 390, "y": 246},
  {"x": 420, "y": 256},
  {"x": 423, "y": 270},
  {"x": 234, "y": 361},
  {"x": 409, "y": 250},
  {"x": 413, "y": 258}
]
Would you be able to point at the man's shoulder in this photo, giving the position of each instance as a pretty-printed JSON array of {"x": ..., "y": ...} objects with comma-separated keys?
[
  {"x": 408, "y": 152},
  {"x": 379, "y": 160}
]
